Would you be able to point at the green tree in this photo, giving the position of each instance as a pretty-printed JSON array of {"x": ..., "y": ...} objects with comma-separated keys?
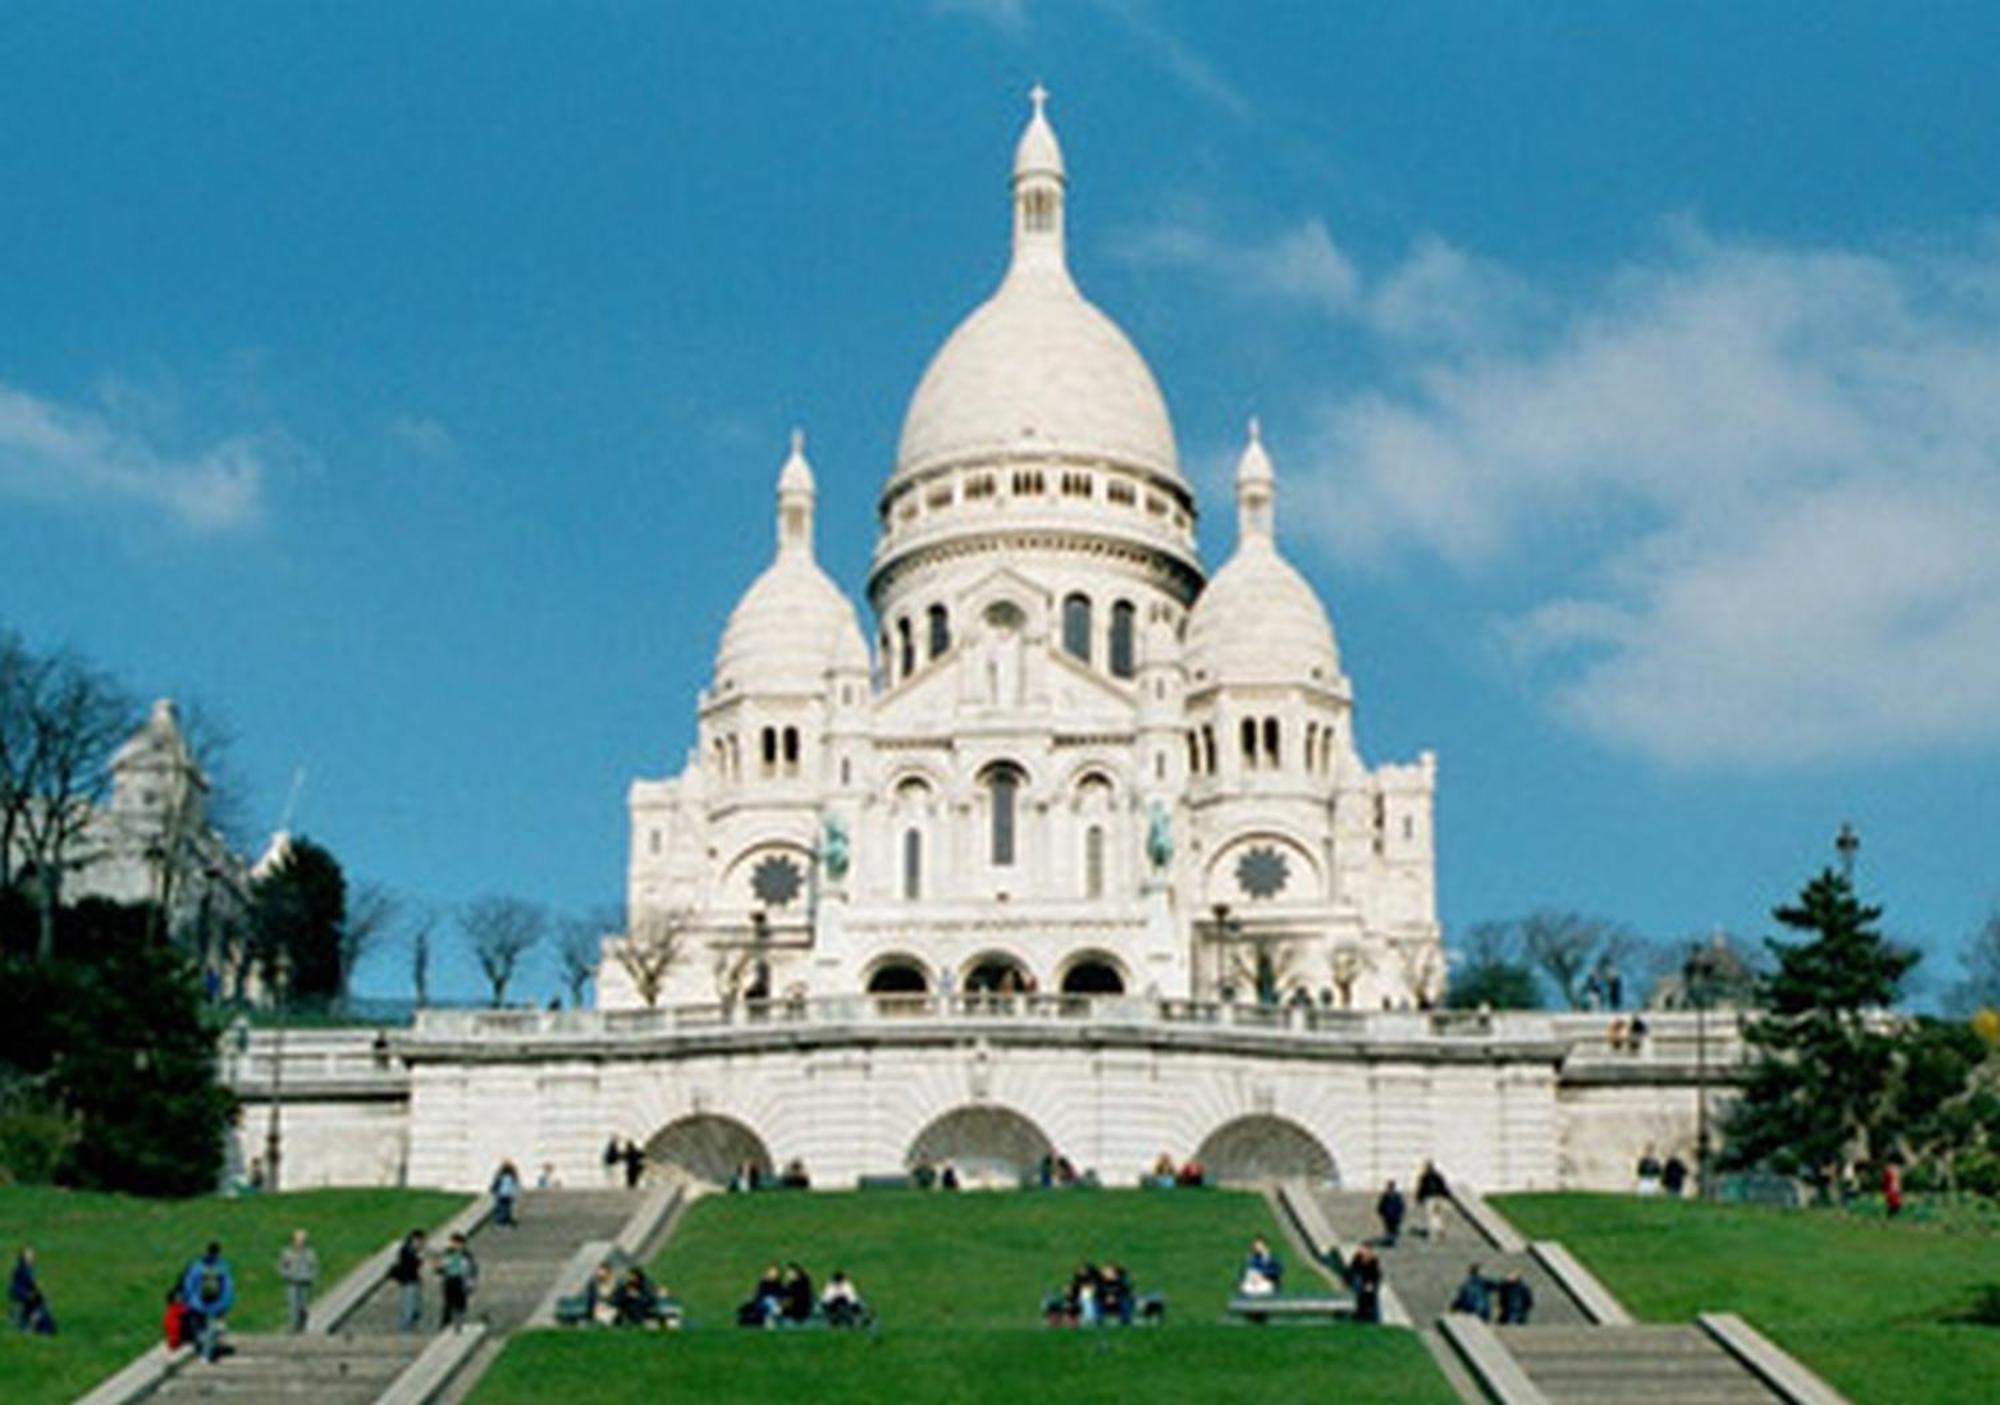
[
  {"x": 1493, "y": 971},
  {"x": 299, "y": 914},
  {"x": 1818, "y": 1097},
  {"x": 110, "y": 1033}
]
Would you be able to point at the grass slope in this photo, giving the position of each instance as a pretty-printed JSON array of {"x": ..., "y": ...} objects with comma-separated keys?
[
  {"x": 1866, "y": 1303},
  {"x": 105, "y": 1262},
  {"x": 958, "y": 1280}
]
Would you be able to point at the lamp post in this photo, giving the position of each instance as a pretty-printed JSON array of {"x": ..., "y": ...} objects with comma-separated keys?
[
  {"x": 1696, "y": 976},
  {"x": 1847, "y": 844},
  {"x": 1224, "y": 929},
  {"x": 273, "y": 1139}
]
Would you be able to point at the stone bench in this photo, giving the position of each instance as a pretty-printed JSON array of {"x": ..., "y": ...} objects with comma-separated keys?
[{"x": 1278, "y": 1308}]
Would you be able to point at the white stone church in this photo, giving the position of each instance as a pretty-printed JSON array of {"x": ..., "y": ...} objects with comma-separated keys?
[{"x": 1074, "y": 760}]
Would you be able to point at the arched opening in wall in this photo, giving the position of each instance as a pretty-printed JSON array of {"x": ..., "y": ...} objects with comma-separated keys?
[
  {"x": 995, "y": 974},
  {"x": 913, "y": 864},
  {"x": 988, "y": 1145},
  {"x": 940, "y": 631},
  {"x": 1092, "y": 975},
  {"x": 1122, "y": 616},
  {"x": 906, "y": 650},
  {"x": 1248, "y": 727},
  {"x": 1263, "y": 1147},
  {"x": 706, "y": 1147},
  {"x": 1003, "y": 789},
  {"x": 898, "y": 975},
  {"x": 1093, "y": 861},
  {"x": 1076, "y": 627}
]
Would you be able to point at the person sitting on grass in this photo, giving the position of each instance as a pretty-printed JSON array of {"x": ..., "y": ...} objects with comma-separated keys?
[
  {"x": 797, "y": 1288},
  {"x": 26, "y": 1303},
  {"x": 842, "y": 1302},
  {"x": 1474, "y": 1296},
  {"x": 209, "y": 1286},
  {"x": 1083, "y": 1296},
  {"x": 1114, "y": 1299},
  {"x": 766, "y": 1300},
  {"x": 635, "y": 1302}
]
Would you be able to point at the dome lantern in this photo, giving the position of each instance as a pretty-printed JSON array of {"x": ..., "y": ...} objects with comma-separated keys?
[{"x": 1038, "y": 189}]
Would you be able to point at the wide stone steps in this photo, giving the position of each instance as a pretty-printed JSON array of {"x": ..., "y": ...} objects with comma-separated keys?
[
  {"x": 1654, "y": 1365},
  {"x": 1426, "y": 1274},
  {"x": 299, "y": 1370}
]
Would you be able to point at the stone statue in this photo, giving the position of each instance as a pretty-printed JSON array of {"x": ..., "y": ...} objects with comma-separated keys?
[
  {"x": 1159, "y": 837},
  {"x": 833, "y": 848}
]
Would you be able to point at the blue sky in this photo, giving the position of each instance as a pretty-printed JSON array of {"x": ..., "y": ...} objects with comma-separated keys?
[{"x": 408, "y": 381}]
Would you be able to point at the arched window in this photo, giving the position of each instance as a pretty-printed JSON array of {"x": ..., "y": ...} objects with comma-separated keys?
[
  {"x": 791, "y": 751},
  {"x": 1122, "y": 615},
  {"x": 1194, "y": 752},
  {"x": 1003, "y": 785},
  {"x": 940, "y": 632},
  {"x": 906, "y": 649},
  {"x": 1312, "y": 745},
  {"x": 913, "y": 864},
  {"x": 770, "y": 745},
  {"x": 1271, "y": 742},
  {"x": 1076, "y": 627},
  {"x": 1093, "y": 861},
  {"x": 1249, "y": 732},
  {"x": 1208, "y": 749}
]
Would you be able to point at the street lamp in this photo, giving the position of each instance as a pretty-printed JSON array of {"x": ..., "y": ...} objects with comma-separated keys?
[
  {"x": 1224, "y": 929},
  {"x": 1697, "y": 976}
]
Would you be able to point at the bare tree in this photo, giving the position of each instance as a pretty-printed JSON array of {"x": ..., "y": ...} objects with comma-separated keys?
[
  {"x": 69, "y": 717},
  {"x": 423, "y": 922},
  {"x": 1979, "y": 989},
  {"x": 17, "y": 690},
  {"x": 1567, "y": 946},
  {"x": 579, "y": 948},
  {"x": 651, "y": 950},
  {"x": 371, "y": 908},
  {"x": 500, "y": 931}
]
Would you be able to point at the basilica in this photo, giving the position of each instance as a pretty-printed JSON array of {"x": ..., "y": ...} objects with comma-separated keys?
[{"x": 1069, "y": 759}]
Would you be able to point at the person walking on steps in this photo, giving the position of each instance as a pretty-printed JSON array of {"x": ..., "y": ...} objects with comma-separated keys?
[
  {"x": 209, "y": 1285},
  {"x": 1432, "y": 1193},
  {"x": 1517, "y": 1300},
  {"x": 1390, "y": 1209},
  {"x": 298, "y": 1267},
  {"x": 407, "y": 1273},
  {"x": 506, "y": 1190},
  {"x": 459, "y": 1271}
]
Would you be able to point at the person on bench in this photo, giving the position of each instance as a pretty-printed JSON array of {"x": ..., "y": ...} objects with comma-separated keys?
[
  {"x": 600, "y": 1297},
  {"x": 842, "y": 1303},
  {"x": 1263, "y": 1271}
]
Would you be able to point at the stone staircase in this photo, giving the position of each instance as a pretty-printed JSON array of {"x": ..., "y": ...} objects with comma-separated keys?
[
  {"x": 1425, "y": 1274},
  {"x": 1651, "y": 1365},
  {"x": 359, "y": 1361}
]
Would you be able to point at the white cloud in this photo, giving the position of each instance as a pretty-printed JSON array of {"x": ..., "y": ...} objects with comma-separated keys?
[
  {"x": 424, "y": 436},
  {"x": 62, "y": 454},
  {"x": 1742, "y": 501},
  {"x": 1301, "y": 265}
]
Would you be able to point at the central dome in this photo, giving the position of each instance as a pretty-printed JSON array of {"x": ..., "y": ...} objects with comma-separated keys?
[{"x": 1037, "y": 370}]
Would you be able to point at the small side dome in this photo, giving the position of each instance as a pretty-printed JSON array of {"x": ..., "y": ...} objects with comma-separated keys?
[
  {"x": 791, "y": 628},
  {"x": 1258, "y": 621}
]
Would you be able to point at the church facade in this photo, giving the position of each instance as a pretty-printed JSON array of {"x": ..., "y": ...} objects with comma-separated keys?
[{"x": 1068, "y": 758}]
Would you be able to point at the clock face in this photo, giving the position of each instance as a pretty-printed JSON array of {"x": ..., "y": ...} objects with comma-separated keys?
[
  {"x": 776, "y": 881},
  {"x": 1262, "y": 872}
]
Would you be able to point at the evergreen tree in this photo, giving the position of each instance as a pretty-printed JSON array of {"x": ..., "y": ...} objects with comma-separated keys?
[
  {"x": 111, "y": 1031},
  {"x": 1819, "y": 1090},
  {"x": 300, "y": 913}
]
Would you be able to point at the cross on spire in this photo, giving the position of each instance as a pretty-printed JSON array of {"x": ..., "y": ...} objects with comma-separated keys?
[{"x": 1039, "y": 96}]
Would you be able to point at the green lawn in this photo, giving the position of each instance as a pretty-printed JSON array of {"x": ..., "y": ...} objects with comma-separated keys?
[
  {"x": 106, "y": 1261},
  {"x": 1867, "y": 1304},
  {"x": 958, "y": 1281}
]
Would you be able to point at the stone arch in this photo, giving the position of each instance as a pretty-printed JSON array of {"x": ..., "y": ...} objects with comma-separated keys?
[
  {"x": 707, "y": 1146},
  {"x": 994, "y": 1145},
  {"x": 985, "y": 973},
  {"x": 897, "y": 973},
  {"x": 1093, "y": 973},
  {"x": 1305, "y": 878},
  {"x": 1265, "y": 1147}
]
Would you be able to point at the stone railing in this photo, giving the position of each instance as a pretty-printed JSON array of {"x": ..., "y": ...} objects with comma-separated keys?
[
  {"x": 893, "y": 1011},
  {"x": 315, "y": 1060}
]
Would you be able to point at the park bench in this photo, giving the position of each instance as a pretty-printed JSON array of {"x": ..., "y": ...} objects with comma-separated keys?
[
  {"x": 1148, "y": 1310},
  {"x": 573, "y": 1310},
  {"x": 1301, "y": 1308},
  {"x": 901, "y": 1180}
]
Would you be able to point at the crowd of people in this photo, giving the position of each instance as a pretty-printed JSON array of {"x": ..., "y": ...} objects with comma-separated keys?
[
  {"x": 751, "y": 1176},
  {"x": 784, "y": 1297}
]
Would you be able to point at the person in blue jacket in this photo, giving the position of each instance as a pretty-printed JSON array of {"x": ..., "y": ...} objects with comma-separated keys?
[{"x": 209, "y": 1285}]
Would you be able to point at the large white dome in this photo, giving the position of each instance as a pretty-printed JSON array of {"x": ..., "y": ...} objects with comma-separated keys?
[{"x": 1037, "y": 369}]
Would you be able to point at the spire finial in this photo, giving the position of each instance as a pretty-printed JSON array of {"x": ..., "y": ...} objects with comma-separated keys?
[
  {"x": 1256, "y": 431},
  {"x": 798, "y": 439},
  {"x": 1039, "y": 96}
]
